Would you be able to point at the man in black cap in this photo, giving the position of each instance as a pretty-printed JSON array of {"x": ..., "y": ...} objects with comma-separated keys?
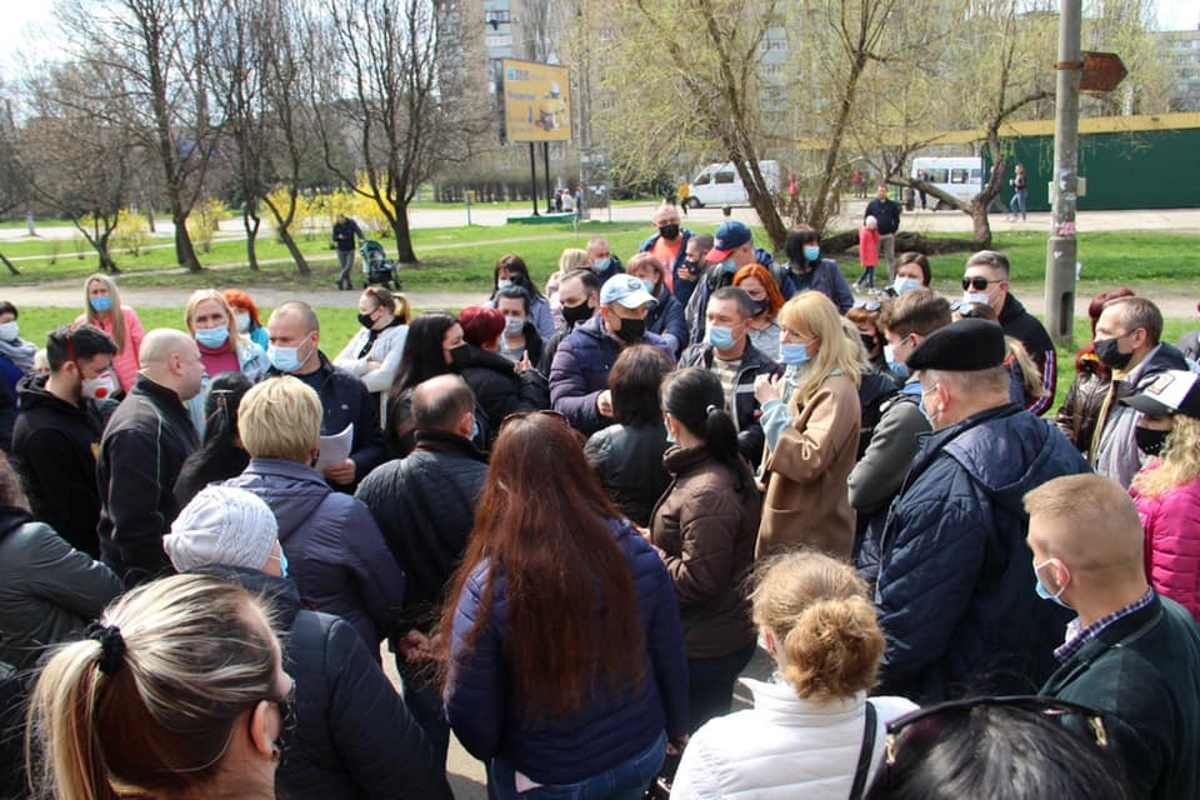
[{"x": 956, "y": 596}]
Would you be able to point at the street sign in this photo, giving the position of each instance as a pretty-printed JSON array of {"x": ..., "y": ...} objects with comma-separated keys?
[{"x": 1102, "y": 72}]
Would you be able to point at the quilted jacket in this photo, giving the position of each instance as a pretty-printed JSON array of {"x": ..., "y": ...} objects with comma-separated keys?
[{"x": 1172, "y": 524}]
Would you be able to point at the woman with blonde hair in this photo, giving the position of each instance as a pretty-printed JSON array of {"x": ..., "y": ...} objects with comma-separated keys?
[
  {"x": 812, "y": 732},
  {"x": 103, "y": 309},
  {"x": 1167, "y": 490},
  {"x": 213, "y": 325},
  {"x": 178, "y": 691},
  {"x": 373, "y": 353},
  {"x": 811, "y": 416}
]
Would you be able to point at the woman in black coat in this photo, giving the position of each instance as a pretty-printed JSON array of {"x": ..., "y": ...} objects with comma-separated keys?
[{"x": 500, "y": 389}]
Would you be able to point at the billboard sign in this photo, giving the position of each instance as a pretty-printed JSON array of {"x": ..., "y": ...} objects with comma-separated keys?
[{"x": 537, "y": 102}]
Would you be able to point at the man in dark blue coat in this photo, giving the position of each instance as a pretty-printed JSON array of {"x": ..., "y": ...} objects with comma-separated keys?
[
  {"x": 955, "y": 594},
  {"x": 1132, "y": 654}
]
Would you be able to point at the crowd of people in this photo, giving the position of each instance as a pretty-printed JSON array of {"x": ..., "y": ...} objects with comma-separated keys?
[{"x": 575, "y": 513}]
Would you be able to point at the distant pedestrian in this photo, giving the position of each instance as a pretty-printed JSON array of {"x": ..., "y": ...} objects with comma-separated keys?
[
  {"x": 868, "y": 253},
  {"x": 1018, "y": 184},
  {"x": 345, "y": 234},
  {"x": 887, "y": 214}
]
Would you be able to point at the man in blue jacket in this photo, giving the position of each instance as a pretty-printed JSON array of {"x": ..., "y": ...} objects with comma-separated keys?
[
  {"x": 579, "y": 372},
  {"x": 955, "y": 593}
]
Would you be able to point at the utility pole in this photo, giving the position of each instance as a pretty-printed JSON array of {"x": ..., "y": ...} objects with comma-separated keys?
[{"x": 1062, "y": 249}]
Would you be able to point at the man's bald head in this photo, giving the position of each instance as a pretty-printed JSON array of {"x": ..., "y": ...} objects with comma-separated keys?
[
  {"x": 171, "y": 358},
  {"x": 441, "y": 403},
  {"x": 1089, "y": 523},
  {"x": 161, "y": 343},
  {"x": 300, "y": 310}
]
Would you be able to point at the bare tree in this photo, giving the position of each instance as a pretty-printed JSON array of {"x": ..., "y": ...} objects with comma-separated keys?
[
  {"x": 394, "y": 86},
  {"x": 13, "y": 189}
]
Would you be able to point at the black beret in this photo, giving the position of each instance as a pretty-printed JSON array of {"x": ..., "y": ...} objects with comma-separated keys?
[{"x": 963, "y": 346}]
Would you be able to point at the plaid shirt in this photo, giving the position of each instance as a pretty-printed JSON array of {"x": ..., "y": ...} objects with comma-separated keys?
[{"x": 1077, "y": 638}]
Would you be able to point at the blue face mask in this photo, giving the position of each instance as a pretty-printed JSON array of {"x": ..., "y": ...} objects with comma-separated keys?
[
  {"x": 670, "y": 436},
  {"x": 902, "y": 285},
  {"x": 284, "y": 359},
  {"x": 812, "y": 252},
  {"x": 897, "y": 368},
  {"x": 720, "y": 337},
  {"x": 649, "y": 285},
  {"x": 1041, "y": 589},
  {"x": 728, "y": 266},
  {"x": 283, "y": 562},
  {"x": 504, "y": 283},
  {"x": 101, "y": 303},
  {"x": 474, "y": 429},
  {"x": 793, "y": 354},
  {"x": 212, "y": 338},
  {"x": 601, "y": 264}
]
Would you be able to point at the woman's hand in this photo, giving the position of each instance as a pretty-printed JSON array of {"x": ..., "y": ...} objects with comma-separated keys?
[{"x": 767, "y": 388}]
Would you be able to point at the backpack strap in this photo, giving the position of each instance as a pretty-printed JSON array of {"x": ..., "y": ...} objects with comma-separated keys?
[{"x": 864, "y": 756}]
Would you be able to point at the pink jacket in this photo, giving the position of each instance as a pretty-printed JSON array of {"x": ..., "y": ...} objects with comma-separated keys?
[
  {"x": 1172, "y": 524},
  {"x": 868, "y": 246},
  {"x": 125, "y": 363}
]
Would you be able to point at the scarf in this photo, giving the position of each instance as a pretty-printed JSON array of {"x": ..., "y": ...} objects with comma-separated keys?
[{"x": 20, "y": 353}]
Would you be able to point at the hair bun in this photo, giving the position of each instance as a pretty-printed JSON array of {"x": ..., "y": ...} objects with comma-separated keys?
[{"x": 112, "y": 646}]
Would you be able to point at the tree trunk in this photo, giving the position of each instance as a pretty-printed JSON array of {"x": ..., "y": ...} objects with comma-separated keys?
[
  {"x": 980, "y": 226},
  {"x": 302, "y": 267},
  {"x": 404, "y": 250},
  {"x": 185, "y": 252},
  {"x": 250, "y": 222},
  {"x": 107, "y": 264},
  {"x": 283, "y": 225},
  {"x": 12, "y": 270}
]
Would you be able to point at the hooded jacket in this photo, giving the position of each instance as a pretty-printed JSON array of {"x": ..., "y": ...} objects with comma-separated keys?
[{"x": 955, "y": 592}]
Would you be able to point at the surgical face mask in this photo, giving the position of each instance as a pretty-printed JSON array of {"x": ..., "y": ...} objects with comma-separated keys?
[
  {"x": 976, "y": 297},
  {"x": 1109, "y": 353},
  {"x": 1150, "y": 442},
  {"x": 897, "y": 368},
  {"x": 601, "y": 264},
  {"x": 793, "y": 354},
  {"x": 504, "y": 283},
  {"x": 283, "y": 562},
  {"x": 902, "y": 285},
  {"x": 284, "y": 359},
  {"x": 474, "y": 429},
  {"x": 812, "y": 252},
  {"x": 101, "y": 303},
  {"x": 9, "y": 331},
  {"x": 1041, "y": 589},
  {"x": 728, "y": 266},
  {"x": 243, "y": 322},
  {"x": 212, "y": 338},
  {"x": 98, "y": 388},
  {"x": 513, "y": 326},
  {"x": 649, "y": 285},
  {"x": 720, "y": 337}
]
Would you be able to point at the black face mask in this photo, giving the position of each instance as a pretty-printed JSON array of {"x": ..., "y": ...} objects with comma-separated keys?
[
  {"x": 692, "y": 266},
  {"x": 366, "y": 321},
  {"x": 576, "y": 314},
  {"x": 1110, "y": 355},
  {"x": 632, "y": 330},
  {"x": 669, "y": 231},
  {"x": 459, "y": 357},
  {"x": 868, "y": 341},
  {"x": 760, "y": 306},
  {"x": 1150, "y": 442}
]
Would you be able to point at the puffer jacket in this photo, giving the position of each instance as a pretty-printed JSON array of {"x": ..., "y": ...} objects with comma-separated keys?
[
  {"x": 1115, "y": 453},
  {"x": 1171, "y": 521},
  {"x": 743, "y": 404},
  {"x": 49, "y": 591},
  {"x": 955, "y": 592},
  {"x": 628, "y": 462},
  {"x": 336, "y": 554},
  {"x": 666, "y": 319},
  {"x": 611, "y": 727},
  {"x": 1079, "y": 412},
  {"x": 499, "y": 390},
  {"x": 425, "y": 507},
  {"x": 580, "y": 369},
  {"x": 784, "y": 747},
  {"x": 704, "y": 531},
  {"x": 354, "y": 737}
]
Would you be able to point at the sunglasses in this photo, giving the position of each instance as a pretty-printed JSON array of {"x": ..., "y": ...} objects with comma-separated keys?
[
  {"x": 545, "y": 412},
  {"x": 978, "y": 282},
  {"x": 871, "y": 306},
  {"x": 925, "y": 725}
]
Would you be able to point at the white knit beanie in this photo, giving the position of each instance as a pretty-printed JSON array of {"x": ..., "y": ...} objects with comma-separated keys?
[{"x": 222, "y": 525}]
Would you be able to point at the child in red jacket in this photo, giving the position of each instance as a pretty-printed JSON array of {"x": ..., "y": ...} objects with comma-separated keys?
[{"x": 868, "y": 252}]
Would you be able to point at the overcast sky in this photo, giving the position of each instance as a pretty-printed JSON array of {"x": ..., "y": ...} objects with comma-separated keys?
[{"x": 26, "y": 21}]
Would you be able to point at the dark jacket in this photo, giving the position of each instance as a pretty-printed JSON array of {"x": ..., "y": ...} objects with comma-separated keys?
[
  {"x": 425, "y": 506},
  {"x": 1142, "y": 672},
  {"x": 743, "y": 404},
  {"x": 147, "y": 440},
  {"x": 886, "y": 213},
  {"x": 955, "y": 593},
  {"x": 1077, "y": 416},
  {"x": 49, "y": 591},
  {"x": 1025, "y": 328},
  {"x": 345, "y": 399},
  {"x": 336, "y": 554},
  {"x": 580, "y": 372},
  {"x": 499, "y": 390},
  {"x": 628, "y": 461},
  {"x": 704, "y": 530},
  {"x": 715, "y": 278},
  {"x": 354, "y": 737},
  {"x": 612, "y": 726},
  {"x": 54, "y": 452},
  {"x": 666, "y": 317},
  {"x": 825, "y": 277},
  {"x": 344, "y": 234},
  {"x": 8, "y": 416}
]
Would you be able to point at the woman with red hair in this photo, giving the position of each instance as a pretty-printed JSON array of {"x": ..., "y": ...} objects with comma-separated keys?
[
  {"x": 764, "y": 293},
  {"x": 501, "y": 387},
  {"x": 245, "y": 312},
  {"x": 1079, "y": 412}
]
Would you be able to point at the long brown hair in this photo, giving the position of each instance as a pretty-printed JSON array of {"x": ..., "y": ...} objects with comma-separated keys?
[{"x": 541, "y": 518}]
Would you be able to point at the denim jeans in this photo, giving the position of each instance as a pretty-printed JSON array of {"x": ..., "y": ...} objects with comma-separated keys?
[
  {"x": 1017, "y": 204},
  {"x": 626, "y": 781},
  {"x": 710, "y": 684},
  {"x": 345, "y": 264}
]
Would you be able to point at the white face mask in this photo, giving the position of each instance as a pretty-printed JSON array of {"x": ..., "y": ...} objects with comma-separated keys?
[
  {"x": 9, "y": 331},
  {"x": 243, "y": 322},
  {"x": 98, "y": 388},
  {"x": 976, "y": 297}
]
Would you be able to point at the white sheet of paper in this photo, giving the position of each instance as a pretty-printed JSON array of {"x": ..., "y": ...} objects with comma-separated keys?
[{"x": 335, "y": 448}]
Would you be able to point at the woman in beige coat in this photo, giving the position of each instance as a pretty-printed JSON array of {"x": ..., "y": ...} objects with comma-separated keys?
[{"x": 811, "y": 418}]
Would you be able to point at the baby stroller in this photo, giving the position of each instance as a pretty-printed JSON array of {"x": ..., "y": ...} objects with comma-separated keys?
[{"x": 377, "y": 267}]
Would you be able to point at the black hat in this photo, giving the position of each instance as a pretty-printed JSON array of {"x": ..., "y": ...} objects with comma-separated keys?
[
  {"x": 1173, "y": 392},
  {"x": 964, "y": 346}
]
